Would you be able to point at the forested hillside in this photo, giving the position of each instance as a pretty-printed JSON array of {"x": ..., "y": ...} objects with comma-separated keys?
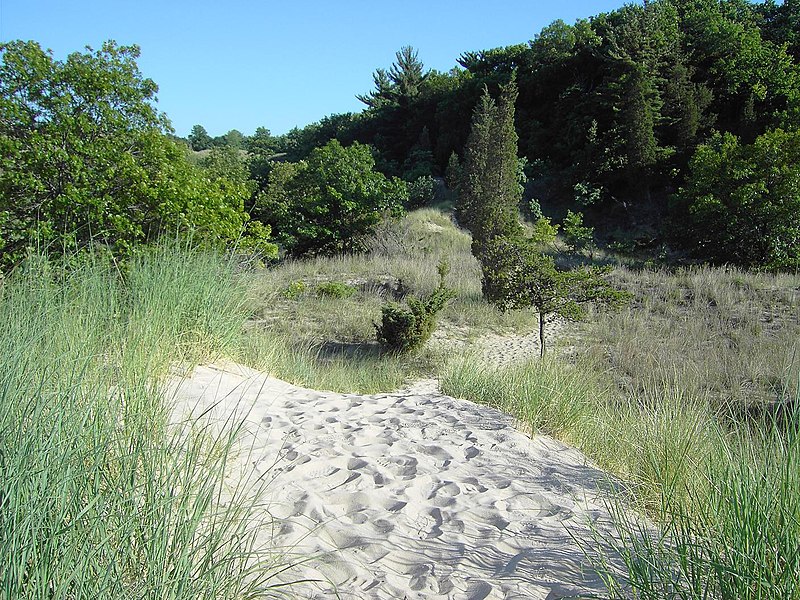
[
  {"x": 663, "y": 113},
  {"x": 671, "y": 126}
]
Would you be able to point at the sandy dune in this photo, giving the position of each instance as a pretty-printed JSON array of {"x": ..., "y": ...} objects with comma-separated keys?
[{"x": 406, "y": 495}]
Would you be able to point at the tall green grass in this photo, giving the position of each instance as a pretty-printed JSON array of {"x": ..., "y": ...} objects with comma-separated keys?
[
  {"x": 737, "y": 536},
  {"x": 99, "y": 496}
]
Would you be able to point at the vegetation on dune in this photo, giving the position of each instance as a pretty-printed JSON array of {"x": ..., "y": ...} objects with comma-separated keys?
[
  {"x": 85, "y": 159},
  {"x": 329, "y": 203},
  {"x": 668, "y": 128},
  {"x": 100, "y": 497}
]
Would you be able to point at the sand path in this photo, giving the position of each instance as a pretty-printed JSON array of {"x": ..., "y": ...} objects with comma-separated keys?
[{"x": 405, "y": 495}]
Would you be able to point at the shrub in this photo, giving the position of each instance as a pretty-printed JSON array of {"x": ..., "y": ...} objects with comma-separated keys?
[
  {"x": 295, "y": 290},
  {"x": 421, "y": 192},
  {"x": 405, "y": 329},
  {"x": 577, "y": 236},
  {"x": 335, "y": 289}
]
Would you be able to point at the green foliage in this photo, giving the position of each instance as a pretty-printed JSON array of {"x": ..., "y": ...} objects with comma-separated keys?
[
  {"x": 294, "y": 290},
  {"x": 256, "y": 239},
  {"x": 261, "y": 149},
  {"x": 489, "y": 192},
  {"x": 228, "y": 163},
  {"x": 544, "y": 232},
  {"x": 233, "y": 139},
  {"x": 577, "y": 236},
  {"x": 330, "y": 203},
  {"x": 84, "y": 158},
  {"x": 406, "y": 329},
  {"x": 199, "y": 139},
  {"x": 335, "y": 289},
  {"x": 452, "y": 176},
  {"x": 586, "y": 194},
  {"x": 421, "y": 192},
  {"x": 535, "y": 209},
  {"x": 400, "y": 84},
  {"x": 743, "y": 200},
  {"x": 516, "y": 275}
]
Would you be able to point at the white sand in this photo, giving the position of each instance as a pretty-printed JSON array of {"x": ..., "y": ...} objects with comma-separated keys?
[{"x": 406, "y": 495}]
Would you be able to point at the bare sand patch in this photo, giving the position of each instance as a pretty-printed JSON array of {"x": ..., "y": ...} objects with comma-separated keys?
[
  {"x": 410, "y": 494},
  {"x": 497, "y": 349}
]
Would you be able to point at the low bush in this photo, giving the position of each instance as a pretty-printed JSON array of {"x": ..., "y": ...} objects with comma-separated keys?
[
  {"x": 294, "y": 290},
  {"x": 421, "y": 192},
  {"x": 405, "y": 329}
]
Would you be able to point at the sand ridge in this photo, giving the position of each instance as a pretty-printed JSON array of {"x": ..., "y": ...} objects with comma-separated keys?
[{"x": 410, "y": 494}]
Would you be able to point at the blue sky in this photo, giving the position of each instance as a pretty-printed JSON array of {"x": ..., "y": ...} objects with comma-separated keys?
[{"x": 240, "y": 65}]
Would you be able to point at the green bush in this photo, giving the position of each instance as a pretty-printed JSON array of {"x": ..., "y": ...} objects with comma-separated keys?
[
  {"x": 330, "y": 203},
  {"x": 295, "y": 290},
  {"x": 421, "y": 192},
  {"x": 335, "y": 289},
  {"x": 743, "y": 202},
  {"x": 405, "y": 329},
  {"x": 577, "y": 236}
]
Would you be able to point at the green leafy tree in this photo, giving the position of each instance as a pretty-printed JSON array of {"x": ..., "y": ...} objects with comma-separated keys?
[
  {"x": 516, "y": 275},
  {"x": 199, "y": 139},
  {"x": 84, "y": 157},
  {"x": 782, "y": 24},
  {"x": 234, "y": 139},
  {"x": 262, "y": 150},
  {"x": 228, "y": 163},
  {"x": 489, "y": 190},
  {"x": 744, "y": 200},
  {"x": 331, "y": 202}
]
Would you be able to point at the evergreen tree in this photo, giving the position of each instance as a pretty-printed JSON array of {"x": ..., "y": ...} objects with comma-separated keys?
[
  {"x": 489, "y": 193},
  {"x": 400, "y": 85},
  {"x": 199, "y": 138}
]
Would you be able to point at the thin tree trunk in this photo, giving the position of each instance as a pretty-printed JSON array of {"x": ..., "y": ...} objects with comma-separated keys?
[{"x": 541, "y": 334}]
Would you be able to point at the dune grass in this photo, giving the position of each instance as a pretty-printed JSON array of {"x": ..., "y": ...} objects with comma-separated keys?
[
  {"x": 690, "y": 397},
  {"x": 99, "y": 496}
]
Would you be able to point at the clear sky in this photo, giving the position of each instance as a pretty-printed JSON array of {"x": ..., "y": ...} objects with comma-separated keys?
[{"x": 240, "y": 65}]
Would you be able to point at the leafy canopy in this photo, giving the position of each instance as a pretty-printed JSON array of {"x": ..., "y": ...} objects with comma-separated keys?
[
  {"x": 744, "y": 200},
  {"x": 84, "y": 157},
  {"x": 329, "y": 203}
]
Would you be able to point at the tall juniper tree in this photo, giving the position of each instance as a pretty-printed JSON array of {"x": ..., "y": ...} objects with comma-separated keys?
[{"x": 489, "y": 193}]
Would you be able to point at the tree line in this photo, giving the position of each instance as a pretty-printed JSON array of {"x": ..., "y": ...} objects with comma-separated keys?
[
  {"x": 624, "y": 116},
  {"x": 674, "y": 117}
]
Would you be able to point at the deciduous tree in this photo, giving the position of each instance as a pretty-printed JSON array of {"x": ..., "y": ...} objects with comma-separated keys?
[
  {"x": 331, "y": 202},
  {"x": 84, "y": 157}
]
